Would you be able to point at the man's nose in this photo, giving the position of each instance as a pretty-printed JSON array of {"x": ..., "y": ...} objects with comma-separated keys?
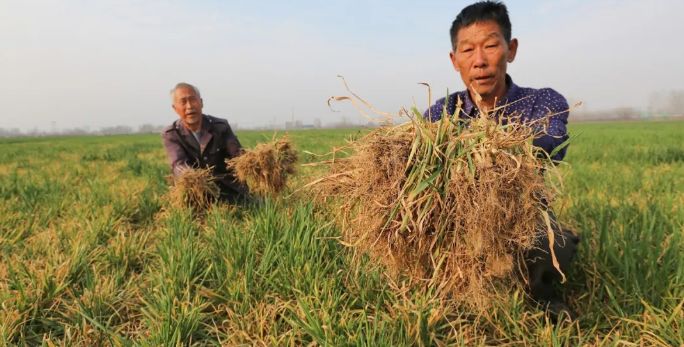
[{"x": 479, "y": 58}]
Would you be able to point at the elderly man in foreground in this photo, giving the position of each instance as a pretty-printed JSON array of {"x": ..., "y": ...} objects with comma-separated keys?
[
  {"x": 482, "y": 47},
  {"x": 196, "y": 140}
]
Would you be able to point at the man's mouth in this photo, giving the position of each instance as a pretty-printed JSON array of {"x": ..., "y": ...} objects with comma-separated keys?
[{"x": 487, "y": 79}]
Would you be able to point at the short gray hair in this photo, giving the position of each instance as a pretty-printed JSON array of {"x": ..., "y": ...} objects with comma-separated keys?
[{"x": 185, "y": 85}]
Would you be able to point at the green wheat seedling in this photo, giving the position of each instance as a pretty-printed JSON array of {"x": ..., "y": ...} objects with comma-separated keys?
[{"x": 87, "y": 259}]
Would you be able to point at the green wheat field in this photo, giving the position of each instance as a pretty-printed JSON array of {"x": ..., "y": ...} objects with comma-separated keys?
[{"x": 87, "y": 257}]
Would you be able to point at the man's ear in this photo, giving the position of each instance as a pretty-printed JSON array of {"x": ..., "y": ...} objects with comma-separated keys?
[
  {"x": 512, "y": 50},
  {"x": 452, "y": 57}
]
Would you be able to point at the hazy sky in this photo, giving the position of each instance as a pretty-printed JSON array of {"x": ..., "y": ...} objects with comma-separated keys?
[{"x": 104, "y": 63}]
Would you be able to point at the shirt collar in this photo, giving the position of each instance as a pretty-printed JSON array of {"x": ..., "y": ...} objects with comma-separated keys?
[
  {"x": 511, "y": 95},
  {"x": 186, "y": 131}
]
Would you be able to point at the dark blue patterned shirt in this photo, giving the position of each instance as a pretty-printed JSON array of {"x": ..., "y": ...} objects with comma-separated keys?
[{"x": 530, "y": 104}]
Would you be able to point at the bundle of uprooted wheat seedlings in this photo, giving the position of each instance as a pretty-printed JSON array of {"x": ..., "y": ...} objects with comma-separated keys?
[
  {"x": 265, "y": 168},
  {"x": 453, "y": 203},
  {"x": 194, "y": 188}
]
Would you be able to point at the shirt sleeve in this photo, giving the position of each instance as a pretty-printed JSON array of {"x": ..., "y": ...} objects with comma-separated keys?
[
  {"x": 553, "y": 132},
  {"x": 175, "y": 154},
  {"x": 233, "y": 146}
]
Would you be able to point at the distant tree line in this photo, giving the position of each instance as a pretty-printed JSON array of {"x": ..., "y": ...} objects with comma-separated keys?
[
  {"x": 112, "y": 130},
  {"x": 662, "y": 105}
]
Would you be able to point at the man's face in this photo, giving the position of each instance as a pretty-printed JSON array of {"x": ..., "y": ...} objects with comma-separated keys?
[
  {"x": 188, "y": 106},
  {"x": 481, "y": 55}
]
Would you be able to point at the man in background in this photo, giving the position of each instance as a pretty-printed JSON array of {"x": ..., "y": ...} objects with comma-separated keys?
[
  {"x": 196, "y": 140},
  {"x": 482, "y": 48}
]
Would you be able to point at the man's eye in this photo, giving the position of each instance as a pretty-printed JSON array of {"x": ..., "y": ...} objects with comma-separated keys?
[
  {"x": 491, "y": 46},
  {"x": 466, "y": 50}
]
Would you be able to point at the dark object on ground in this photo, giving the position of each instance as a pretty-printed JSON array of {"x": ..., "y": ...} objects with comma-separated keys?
[{"x": 542, "y": 274}]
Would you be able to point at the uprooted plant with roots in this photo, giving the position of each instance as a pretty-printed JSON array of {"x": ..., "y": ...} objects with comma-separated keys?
[
  {"x": 194, "y": 188},
  {"x": 266, "y": 168},
  {"x": 453, "y": 204}
]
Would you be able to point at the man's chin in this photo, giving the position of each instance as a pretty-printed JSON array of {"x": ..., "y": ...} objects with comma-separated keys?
[
  {"x": 482, "y": 92},
  {"x": 191, "y": 119}
]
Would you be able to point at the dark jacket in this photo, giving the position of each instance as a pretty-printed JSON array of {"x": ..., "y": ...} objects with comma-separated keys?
[{"x": 217, "y": 143}]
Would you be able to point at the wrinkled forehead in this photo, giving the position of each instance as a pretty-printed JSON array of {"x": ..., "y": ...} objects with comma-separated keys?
[
  {"x": 478, "y": 32},
  {"x": 184, "y": 93}
]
